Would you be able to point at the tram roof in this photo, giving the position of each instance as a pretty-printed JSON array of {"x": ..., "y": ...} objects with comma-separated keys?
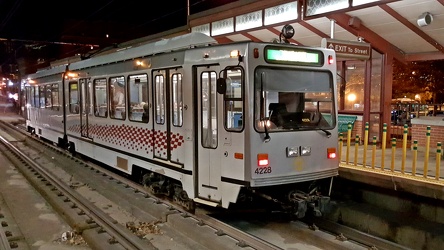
[{"x": 389, "y": 26}]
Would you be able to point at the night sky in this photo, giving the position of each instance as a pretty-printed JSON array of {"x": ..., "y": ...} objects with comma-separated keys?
[{"x": 31, "y": 24}]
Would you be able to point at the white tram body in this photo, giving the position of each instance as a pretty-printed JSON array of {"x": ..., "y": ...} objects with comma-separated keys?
[{"x": 214, "y": 120}]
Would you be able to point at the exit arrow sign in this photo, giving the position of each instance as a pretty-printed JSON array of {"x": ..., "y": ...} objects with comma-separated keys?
[{"x": 348, "y": 49}]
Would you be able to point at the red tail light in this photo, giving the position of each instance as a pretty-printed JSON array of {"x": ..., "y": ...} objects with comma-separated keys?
[
  {"x": 330, "y": 59},
  {"x": 331, "y": 153},
  {"x": 262, "y": 160}
]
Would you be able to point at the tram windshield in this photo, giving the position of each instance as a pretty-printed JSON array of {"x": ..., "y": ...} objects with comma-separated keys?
[{"x": 293, "y": 99}]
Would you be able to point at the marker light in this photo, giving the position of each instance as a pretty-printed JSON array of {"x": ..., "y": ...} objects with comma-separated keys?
[
  {"x": 234, "y": 54},
  {"x": 331, "y": 153},
  {"x": 256, "y": 53},
  {"x": 330, "y": 59},
  {"x": 262, "y": 160}
]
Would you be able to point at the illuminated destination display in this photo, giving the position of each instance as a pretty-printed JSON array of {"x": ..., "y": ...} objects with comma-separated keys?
[{"x": 294, "y": 56}]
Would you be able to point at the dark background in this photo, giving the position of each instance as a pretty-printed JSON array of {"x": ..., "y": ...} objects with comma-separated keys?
[{"x": 42, "y": 31}]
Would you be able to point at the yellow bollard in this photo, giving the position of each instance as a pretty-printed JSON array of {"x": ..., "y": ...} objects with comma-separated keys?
[
  {"x": 356, "y": 150},
  {"x": 427, "y": 150},
  {"x": 384, "y": 141},
  {"x": 340, "y": 146},
  {"x": 392, "y": 166},
  {"x": 415, "y": 156},
  {"x": 364, "y": 160},
  {"x": 438, "y": 160},
  {"x": 374, "y": 152},
  {"x": 349, "y": 131},
  {"x": 404, "y": 147}
]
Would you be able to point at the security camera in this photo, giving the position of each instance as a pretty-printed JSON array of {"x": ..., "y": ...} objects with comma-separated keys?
[{"x": 425, "y": 19}]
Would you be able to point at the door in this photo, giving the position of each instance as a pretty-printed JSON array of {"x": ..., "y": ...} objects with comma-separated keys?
[
  {"x": 161, "y": 122},
  {"x": 207, "y": 130},
  {"x": 85, "y": 107}
]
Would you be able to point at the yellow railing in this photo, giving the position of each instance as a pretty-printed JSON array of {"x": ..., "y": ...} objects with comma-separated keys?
[{"x": 406, "y": 163}]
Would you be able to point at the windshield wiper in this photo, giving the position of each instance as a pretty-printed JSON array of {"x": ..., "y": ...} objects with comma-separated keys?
[{"x": 267, "y": 137}]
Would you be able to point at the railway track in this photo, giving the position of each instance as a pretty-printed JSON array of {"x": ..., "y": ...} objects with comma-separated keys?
[{"x": 108, "y": 210}]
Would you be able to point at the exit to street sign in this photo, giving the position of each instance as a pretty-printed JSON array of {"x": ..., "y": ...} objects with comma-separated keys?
[{"x": 348, "y": 49}]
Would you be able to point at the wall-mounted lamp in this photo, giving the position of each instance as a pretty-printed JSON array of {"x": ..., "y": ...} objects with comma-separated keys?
[{"x": 425, "y": 19}]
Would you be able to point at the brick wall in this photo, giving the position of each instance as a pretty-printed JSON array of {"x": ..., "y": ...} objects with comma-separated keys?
[{"x": 419, "y": 133}]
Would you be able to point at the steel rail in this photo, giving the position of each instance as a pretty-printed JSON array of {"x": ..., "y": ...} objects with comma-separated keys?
[{"x": 120, "y": 234}]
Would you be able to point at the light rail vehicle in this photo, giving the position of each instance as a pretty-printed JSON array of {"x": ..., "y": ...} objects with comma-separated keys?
[{"x": 201, "y": 122}]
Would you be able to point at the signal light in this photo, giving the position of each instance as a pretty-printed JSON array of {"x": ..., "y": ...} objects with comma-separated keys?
[
  {"x": 262, "y": 160},
  {"x": 256, "y": 53},
  {"x": 330, "y": 59},
  {"x": 331, "y": 153}
]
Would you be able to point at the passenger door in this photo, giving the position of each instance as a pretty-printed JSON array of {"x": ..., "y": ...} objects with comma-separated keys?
[
  {"x": 207, "y": 129},
  {"x": 85, "y": 107},
  {"x": 161, "y": 128}
]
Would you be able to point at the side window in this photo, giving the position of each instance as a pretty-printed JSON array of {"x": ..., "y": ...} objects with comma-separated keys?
[
  {"x": 42, "y": 97},
  {"x": 233, "y": 100},
  {"x": 159, "y": 88},
  {"x": 31, "y": 96},
  {"x": 176, "y": 80},
  {"x": 117, "y": 97},
  {"x": 100, "y": 103},
  {"x": 73, "y": 97},
  {"x": 37, "y": 97},
  {"x": 138, "y": 98},
  {"x": 208, "y": 97},
  {"x": 48, "y": 96},
  {"x": 55, "y": 97}
]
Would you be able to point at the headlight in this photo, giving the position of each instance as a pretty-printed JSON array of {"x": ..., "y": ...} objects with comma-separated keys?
[
  {"x": 305, "y": 150},
  {"x": 292, "y": 152}
]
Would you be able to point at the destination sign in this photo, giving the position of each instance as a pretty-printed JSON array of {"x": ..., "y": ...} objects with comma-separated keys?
[{"x": 349, "y": 49}]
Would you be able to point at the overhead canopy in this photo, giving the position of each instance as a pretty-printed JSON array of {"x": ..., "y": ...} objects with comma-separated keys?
[{"x": 389, "y": 26}]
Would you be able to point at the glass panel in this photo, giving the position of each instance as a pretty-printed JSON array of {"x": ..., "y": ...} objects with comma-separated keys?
[
  {"x": 234, "y": 105},
  {"x": 376, "y": 82},
  {"x": 315, "y": 7},
  {"x": 37, "y": 97},
  {"x": 222, "y": 27},
  {"x": 32, "y": 97},
  {"x": 160, "y": 99},
  {"x": 281, "y": 13},
  {"x": 100, "y": 97},
  {"x": 73, "y": 97},
  {"x": 55, "y": 97},
  {"x": 48, "y": 96},
  {"x": 249, "y": 20},
  {"x": 209, "y": 114},
  {"x": 177, "y": 100},
  {"x": 205, "y": 28},
  {"x": 354, "y": 85},
  {"x": 360, "y": 2},
  {"x": 117, "y": 97},
  {"x": 288, "y": 100},
  {"x": 138, "y": 97},
  {"x": 42, "y": 97}
]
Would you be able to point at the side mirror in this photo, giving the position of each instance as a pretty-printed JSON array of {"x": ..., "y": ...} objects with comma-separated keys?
[{"x": 221, "y": 85}]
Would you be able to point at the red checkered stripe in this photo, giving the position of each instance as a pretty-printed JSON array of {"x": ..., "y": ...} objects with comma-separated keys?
[{"x": 133, "y": 138}]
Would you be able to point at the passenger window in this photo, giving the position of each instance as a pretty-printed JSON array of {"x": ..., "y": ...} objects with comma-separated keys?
[
  {"x": 233, "y": 100},
  {"x": 117, "y": 98},
  {"x": 177, "y": 100},
  {"x": 73, "y": 97},
  {"x": 55, "y": 96},
  {"x": 138, "y": 98},
  {"x": 100, "y": 97},
  {"x": 208, "y": 97},
  {"x": 48, "y": 96},
  {"x": 159, "y": 83}
]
